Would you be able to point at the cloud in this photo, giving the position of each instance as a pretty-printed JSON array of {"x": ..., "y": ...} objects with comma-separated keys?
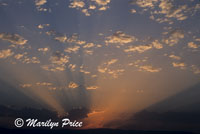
[
  {"x": 74, "y": 39},
  {"x": 58, "y": 62},
  {"x": 66, "y": 39},
  {"x": 120, "y": 37},
  {"x": 180, "y": 65},
  {"x": 13, "y": 38},
  {"x": 28, "y": 60},
  {"x": 72, "y": 49},
  {"x": 73, "y": 85},
  {"x": 195, "y": 69},
  {"x": 59, "y": 58},
  {"x": 52, "y": 88},
  {"x": 18, "y": 56},
  {"x": 40, "y": 2},
  {"x": 25, "y": 59},
  {"x": 41, "y": 26},
  {"x": 175, "y": 57},
  {"x": 6, "y": 53},
  {"x": 102, "y": 2},
  {"x": 157, "y": 44},
  {"x": 92, "y": 7},
  {"x": 115, "y": 73},
  {"x": 137, "y": 62},
  {"x": 89, "y": 52},
  {"x": 112, "y": 61},
  {"x": 109, "y": 70},
  {"x": 102, "y": 70},
  {"x": 26, "y": 85},
  {"x": 84, "y": 71},
  {"x": 192, "y": 45},
  {"x": 144, "y": 3},
  {"x": 166, "y": 10},
  {"x": 77, "y": 4},
  {"x": 197, "y": 7},
  {"x": 197, "y": 39},
  {"x": 89, "y": 45},
  {"x": 149, "y": 68},
  {"x": 140, "y": 48},
  {"x": 51, "y": 32},
  {"x": 87, "y": 6},
  {"x": 165, "y": 6},
  {"x": 92, "y": 87},
  {"x": 85, "y": 11},
  {"x": 80, "y": 42},
  {"x": 106, "y": 71},
  {"x": 3, "y": 4},
  {"x": 61, "y": 39},
  {"x": 133, "y": 11},
  {"x": 104, "y": 8},
  {"x": 170, "y": 11},
  {"x": 53, "y": 68},
  {"x": 72, "y": 67},
  {"x": 174, "y": 37},
  {"x": 44, "y": 84},
  {"x": 45, "y": 49}
]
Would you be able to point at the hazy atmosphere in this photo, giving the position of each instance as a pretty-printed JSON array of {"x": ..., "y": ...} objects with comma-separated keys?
[{"x": 109, "y": 63}]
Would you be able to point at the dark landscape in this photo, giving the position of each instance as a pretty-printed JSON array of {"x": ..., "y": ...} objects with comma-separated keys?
[{"x": 90, "y": 131}]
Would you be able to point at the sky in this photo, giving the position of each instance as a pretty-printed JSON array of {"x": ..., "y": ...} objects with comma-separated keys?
[{"x": 113, "y": 57}]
